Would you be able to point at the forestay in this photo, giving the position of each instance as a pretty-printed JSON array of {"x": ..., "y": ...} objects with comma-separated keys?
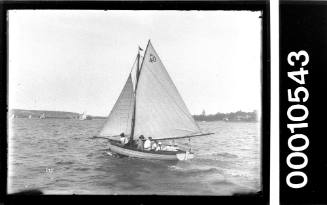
[
  {"x": 133, "y": 72},
  {"x": 120, "y": 117},
  {"x": 160, "y": 110}
]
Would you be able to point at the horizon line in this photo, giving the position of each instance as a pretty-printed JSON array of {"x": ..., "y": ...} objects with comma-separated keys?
[{"x": 240, "y": 110}]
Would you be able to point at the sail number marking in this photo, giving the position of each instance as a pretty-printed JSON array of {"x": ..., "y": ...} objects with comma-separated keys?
[
  {"x": 152, "y": 58},
  {"x": 297, "y": 113}
]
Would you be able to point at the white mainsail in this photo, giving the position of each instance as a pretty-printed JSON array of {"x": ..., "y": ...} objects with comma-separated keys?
[
  {"x": 42, "y": 116},
  {"x": 120, "y": 117},
  {"x": 82, "y": 116},
  {"x": 160, "y": 110}
]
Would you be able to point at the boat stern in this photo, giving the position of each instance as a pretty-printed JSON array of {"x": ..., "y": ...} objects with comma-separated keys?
[{"x": 185, "y": 156}]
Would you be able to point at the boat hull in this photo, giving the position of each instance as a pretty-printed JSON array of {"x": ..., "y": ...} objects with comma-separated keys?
[{"x": 157, "y": 155}]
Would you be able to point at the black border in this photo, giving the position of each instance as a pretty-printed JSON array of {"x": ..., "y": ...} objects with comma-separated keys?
[
  {"x": 303, "y": 26},
  {"x": 261, "y": 197}
]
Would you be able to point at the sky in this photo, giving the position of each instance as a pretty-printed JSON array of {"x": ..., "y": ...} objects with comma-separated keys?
[{"x": 74, "y": 60}]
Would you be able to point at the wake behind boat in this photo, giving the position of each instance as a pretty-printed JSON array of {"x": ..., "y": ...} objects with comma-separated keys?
[{"x": 149, "y": 105}]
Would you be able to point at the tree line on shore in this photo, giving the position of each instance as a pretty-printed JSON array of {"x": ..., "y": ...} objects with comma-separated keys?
[{"x": 232, "y": 116}]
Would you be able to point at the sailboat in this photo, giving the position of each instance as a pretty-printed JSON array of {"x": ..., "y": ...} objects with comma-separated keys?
[
  {"x": 42, "y": 116},
  {"x": 30, "y": 117},
  {"x": 83, "y": 116},
  {"x": 149, "y": 105}
]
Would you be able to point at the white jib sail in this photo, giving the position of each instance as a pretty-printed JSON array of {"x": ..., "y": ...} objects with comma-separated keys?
[
  {"x": 160, "y": 110},
  {"x": 120, "y": 117}
]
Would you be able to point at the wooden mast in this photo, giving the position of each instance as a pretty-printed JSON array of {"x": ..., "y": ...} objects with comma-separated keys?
[
  {"x": 138, "y": 72},
  {"x": 137, "y": 79}
]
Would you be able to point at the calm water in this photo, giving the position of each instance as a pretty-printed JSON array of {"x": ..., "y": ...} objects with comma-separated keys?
[{"x": 58, "y": 156}]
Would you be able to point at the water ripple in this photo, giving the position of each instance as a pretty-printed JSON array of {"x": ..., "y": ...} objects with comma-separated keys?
[{"x": 58, "y": 156}]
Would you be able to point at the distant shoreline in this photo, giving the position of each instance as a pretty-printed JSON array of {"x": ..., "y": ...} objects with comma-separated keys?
[
  {"x": 238, "y": 116},
  {"x": 21, "y": 113}
]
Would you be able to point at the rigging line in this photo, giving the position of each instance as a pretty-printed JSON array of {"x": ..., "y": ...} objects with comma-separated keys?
[
  {"x": 186, "y": 114},
  {"x": 145, "y": 52},
  {"x": 130, "y": 105},
  {"x": 189, "y": 136},
  {"x": 133, "y": 65},
  {"x": 103, "y": 137},
  {"x": 184, "y": 129}
]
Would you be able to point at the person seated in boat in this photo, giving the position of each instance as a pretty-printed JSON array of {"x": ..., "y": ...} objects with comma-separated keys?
[
  {"x": 147, "y": 144},
  {"x": 159, "y": 146},
  {"x": 154, "y": 145},
  {"x": 164, "y": 147},
  {"x": 171, "y": 147},
  {"x": 173, "y": 143},
  {"x": 140, "y": 143},
  {"x": 123, "y": 139}
]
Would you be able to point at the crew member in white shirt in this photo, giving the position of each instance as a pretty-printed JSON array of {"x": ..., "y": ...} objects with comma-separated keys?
[
  {"x": 123, "y": 139},
  {"x": 147, "y": 144}
]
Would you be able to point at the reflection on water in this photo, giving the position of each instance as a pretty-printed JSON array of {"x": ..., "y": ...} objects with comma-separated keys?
[{"x": 59, "y": 157}]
